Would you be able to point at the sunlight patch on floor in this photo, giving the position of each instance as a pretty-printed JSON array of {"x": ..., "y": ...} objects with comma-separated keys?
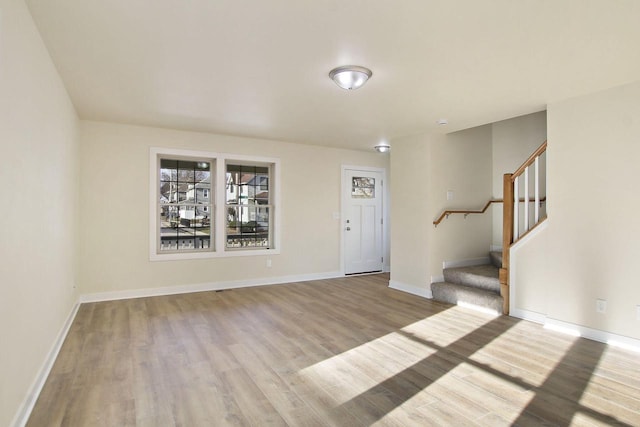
[
  {"x": 446, "y": 327},
  {"x": 355, "y": 371}
]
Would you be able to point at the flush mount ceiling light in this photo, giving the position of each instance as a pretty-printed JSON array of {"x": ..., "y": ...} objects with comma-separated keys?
[
  {"x": 382, "y": 148},
  {"x": 350, "y": 76}
]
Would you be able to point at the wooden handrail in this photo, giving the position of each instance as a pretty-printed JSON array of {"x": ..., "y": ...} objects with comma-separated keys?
[
  {"x": 448, "y": 212},
  {"x": 465, "y": 211},
  {"x": 529, "y": 161}
]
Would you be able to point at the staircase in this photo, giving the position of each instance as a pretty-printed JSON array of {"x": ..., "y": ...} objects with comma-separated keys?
[{"x": 477, "y": 286}]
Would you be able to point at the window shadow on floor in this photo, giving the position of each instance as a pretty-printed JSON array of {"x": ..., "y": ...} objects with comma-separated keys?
[
  {"x": 403, "y": 386},
  {"x": 558, "y": 398},
  {"x": 556, "y": 401}
]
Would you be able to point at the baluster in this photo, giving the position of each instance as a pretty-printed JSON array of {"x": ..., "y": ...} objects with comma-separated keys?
[
  {"x": 516, "y": 214},
  {"x": 536, "y": 207},
  {"x": 525, "y": 226}
]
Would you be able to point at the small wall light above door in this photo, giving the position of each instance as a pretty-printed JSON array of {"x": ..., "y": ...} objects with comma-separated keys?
[{"x": 382, "y": 147}]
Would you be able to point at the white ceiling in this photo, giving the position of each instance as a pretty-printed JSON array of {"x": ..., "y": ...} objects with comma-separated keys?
[{"x": 260, "y": 68}]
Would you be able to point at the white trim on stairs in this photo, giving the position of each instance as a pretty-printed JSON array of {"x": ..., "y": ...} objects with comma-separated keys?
[
  {"x": 420, "y": 291},
  {"x": 23, "y": 414}
]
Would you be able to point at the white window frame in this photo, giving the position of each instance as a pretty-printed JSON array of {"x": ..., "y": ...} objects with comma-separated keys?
[{"x": 218, "y": 183}]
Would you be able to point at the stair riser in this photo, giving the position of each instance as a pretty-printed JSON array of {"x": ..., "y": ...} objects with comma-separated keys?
[
  {"x": 455, "y": 294},
  {"x": 471, "y": 280}
]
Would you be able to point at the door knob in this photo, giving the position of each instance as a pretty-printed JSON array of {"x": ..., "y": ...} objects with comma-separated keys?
[{"x": 348, "y": 229}]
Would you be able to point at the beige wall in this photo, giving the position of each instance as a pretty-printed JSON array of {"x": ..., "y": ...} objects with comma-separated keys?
[
  {"x": 423, "y": 169},
  {"x": 115, "y": 209},
  {"x": 590, "y": 246},
  {"x": 514, "y": 140},
  {"x": 38, "y": 150},
  {"x": 410, "y": 205},
  {"x": 460, "y": 163}
]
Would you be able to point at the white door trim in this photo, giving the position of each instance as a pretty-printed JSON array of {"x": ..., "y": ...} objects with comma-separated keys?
[{"x": 385, "y": 213}]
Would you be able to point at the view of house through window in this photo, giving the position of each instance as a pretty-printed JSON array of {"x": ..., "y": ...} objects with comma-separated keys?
[
  {"x": 206, "y": 205},
  {"x": 248, "y": 208},
  {"x": 185, "y": 205}
]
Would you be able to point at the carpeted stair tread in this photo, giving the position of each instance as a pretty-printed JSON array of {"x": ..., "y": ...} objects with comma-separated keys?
[
  {"x": 484, "y": 277},
  {"x": 454, "y": 293}
]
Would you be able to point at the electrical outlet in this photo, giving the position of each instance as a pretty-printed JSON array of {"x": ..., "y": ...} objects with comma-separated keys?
[
  {"x": 637, "y": 312},
  {"x": 449, "y": 195},
  {"x": 601, "y": 306},
  {"x": 269, "y": 263}
]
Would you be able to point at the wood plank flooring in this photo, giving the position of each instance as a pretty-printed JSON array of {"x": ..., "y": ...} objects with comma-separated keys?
[{"x": 341, "y": 352}]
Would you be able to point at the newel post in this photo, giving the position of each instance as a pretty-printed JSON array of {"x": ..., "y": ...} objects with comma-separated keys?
[{"x": 507, "y": 238}]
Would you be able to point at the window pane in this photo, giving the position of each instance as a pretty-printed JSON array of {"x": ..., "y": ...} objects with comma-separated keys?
[
  {"x": 203, "y": 175},
  {"x": 168, "y": 170},
  {"x": 167, "y": 189},
  {"x": 168, "y": 216},
  {"x": 363, "y": 188},
  {"x": 263, "y": 182},
  {"x": 182, "y": 193},
  {"x": 248, "y": 226},
  {"x": 186, "y": 171},
  {"x": 202, "y": 194},
  {"x": 168, "y": 228}
]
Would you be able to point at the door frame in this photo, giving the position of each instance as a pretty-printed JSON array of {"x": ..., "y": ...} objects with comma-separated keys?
[{"x": 385, "y": 213}]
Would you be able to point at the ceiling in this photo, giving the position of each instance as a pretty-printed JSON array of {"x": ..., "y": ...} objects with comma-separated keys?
[{"x": 260, "y": 68}]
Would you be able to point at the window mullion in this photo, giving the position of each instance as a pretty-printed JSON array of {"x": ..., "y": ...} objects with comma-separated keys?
[{"x": 220, "y": 202}]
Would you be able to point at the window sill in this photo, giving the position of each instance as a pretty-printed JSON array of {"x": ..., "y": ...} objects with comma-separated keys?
[{"x": 208, "y": 255}]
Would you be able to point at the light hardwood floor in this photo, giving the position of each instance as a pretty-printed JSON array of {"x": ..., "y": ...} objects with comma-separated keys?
[{"x": 342, "y": 352}]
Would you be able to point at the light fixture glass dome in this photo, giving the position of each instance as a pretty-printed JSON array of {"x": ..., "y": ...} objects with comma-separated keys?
[{"x": 350, "y": 76}]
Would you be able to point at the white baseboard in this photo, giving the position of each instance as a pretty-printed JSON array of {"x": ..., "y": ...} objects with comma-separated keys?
[
  {"x": 466, "y": 262},
  {"x": 531, "y": 316},
  {"x": 424, "y": 292},
  {"x": 201, "y": 287},
  {"x": 608, "y": 338},
  {"x": 22, "y": 416},
  {"x": 595, "y": 334}
]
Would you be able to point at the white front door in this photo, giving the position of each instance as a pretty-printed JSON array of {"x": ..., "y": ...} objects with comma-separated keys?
[{"x": 362, "y": 221}]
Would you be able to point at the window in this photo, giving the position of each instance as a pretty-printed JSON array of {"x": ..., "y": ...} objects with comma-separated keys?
[
  {"x": 184, "y": 202},
  {"x": 206, "y": 205},
  {"x": 248, "y": 206}
]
